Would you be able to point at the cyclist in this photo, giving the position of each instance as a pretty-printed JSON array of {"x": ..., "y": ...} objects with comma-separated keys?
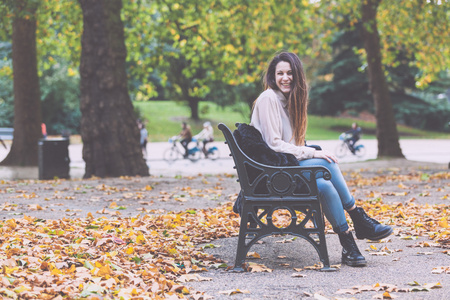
[
  {"x": 355, "y": 133},
  {"x": 206, "y": 136},
  {"x": 186, "y": 137}
]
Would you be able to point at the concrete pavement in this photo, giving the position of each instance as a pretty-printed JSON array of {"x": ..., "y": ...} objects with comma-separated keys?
[{"x": 421, "y": 150}]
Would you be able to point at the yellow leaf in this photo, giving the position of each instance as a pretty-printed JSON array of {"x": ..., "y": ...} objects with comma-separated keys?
[
  {"x": 436, "y": 285},
  {"x": 253, "y": 255},
  {"x": 402, "y": 186},
  {"x": 443, "y": 222},
  {"x": 401, "y": 194},
  {"x": 130, "y": 250},
  {"x": 71, "y": 270},
  {"x": 113, "y": 205},
  {"x": 108, "y": 227},
  {"x": 258, "y": 268},
  {"x": 104, "y": 271},
  {"x": 148, "y": 188},
  {"x": 55, "y": 271},
  {"x": 11, "y": 223},
  {"x": 21, "y": 289},
  {"x": 140, "y": 239},
  {"x": 9, "y": 270},
  {"x": 233, "y": 292}
]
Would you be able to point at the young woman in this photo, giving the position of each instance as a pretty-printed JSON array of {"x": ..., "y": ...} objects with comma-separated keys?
[{"x": 280, "y": 114}]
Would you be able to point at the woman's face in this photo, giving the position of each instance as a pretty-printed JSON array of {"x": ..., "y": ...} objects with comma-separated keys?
[{"x": 283, "y": 77}]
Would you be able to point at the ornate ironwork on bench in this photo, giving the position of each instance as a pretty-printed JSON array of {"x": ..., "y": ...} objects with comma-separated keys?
[{"x": 266, "y": 189}]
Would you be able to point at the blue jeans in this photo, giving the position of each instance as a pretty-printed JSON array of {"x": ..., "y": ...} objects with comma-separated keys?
[{"x": 333, "y": 194}]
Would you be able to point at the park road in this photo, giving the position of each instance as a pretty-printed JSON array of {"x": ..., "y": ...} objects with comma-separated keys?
[{"x": 421, "y": 150}]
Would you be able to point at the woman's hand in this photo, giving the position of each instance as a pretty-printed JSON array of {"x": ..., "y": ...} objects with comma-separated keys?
[{"x": 325, "y": 155}]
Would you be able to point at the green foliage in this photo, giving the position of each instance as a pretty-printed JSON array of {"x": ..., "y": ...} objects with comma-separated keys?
[
  {"x": 195, "y": 44},
  {"x": 164, "y": 117},
  {"x": 344, "y": 87},
  {"x": 417, "y": 29},
  {"x": 59, "y": 34},
  {"x": 6, "y": 102},
  {"x": 6, "y": 87},
  {"x": 60, "y": 96},
  {"x": 419, "y": 113}
]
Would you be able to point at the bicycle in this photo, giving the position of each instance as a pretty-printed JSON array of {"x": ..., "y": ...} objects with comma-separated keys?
[
  {"x": 176, "y": 151},
  {"x": 212, "y": 152},
  {"x": 344, "y": 147}
]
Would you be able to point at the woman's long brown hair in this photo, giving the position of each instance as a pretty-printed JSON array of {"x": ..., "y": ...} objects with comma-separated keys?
[{"x": 298, "y": 98}]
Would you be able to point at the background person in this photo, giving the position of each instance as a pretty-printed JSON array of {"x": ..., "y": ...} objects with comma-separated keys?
[
  {"x": 206, "y": 136},
  {"x": 280, "y": 114},
  {"x": 143, "y": 138},
  {"x": 186, "y": 137},
  {"x": 44, "y": 130},
  {"x": 355, "y": 136}
]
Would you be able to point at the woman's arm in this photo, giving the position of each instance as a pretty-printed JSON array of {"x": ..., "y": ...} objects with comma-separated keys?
[{"x": 267, "y": 119}]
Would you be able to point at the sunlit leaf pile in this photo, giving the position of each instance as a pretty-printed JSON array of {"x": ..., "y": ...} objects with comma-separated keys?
[
  {"x": 152, "y": 256},
  {"x": 148, "y": 256}
]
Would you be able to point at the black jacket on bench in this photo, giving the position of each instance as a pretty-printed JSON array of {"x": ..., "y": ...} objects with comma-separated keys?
[{"x": 252, "y": 144}]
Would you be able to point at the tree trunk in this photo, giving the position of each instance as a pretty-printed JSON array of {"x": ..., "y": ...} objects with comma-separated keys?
[
  {"x": 193, "y": 105},
  {"x": 108, "y": 124},
  {"x": 387, "y": 135},
  {"x": 27, "y": 102}
]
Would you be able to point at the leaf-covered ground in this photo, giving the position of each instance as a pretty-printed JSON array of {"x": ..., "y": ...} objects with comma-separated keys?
[{"x": 155, "y": 237}]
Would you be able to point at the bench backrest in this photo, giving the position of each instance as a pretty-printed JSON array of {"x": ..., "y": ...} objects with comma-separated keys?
[
  {"x": 271, "y": 182},
  {"x": 6, "y": 133}
]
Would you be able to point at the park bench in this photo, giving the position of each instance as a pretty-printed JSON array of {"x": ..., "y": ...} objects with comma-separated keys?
[
  {"x": 266, "y": 189},
  {"x": 6, "y": 133}
]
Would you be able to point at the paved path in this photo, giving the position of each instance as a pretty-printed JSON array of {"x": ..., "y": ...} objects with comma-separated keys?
[{"x": 423, "y": 150}]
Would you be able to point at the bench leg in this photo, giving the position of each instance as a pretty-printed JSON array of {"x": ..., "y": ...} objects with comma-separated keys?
[
  {"x": 242, "y": 247},
  {"x": 323, "y": 252}
]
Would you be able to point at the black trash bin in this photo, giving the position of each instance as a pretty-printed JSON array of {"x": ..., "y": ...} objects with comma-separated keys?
[{"x": 54, "y": 158}]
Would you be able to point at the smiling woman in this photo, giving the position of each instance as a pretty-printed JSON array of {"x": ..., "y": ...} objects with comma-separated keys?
[{"x": 280, "y": 114}]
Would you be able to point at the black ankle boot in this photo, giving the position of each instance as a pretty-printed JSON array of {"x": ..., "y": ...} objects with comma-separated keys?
[
  {"x": 350, "y": 252},
  {"x": 368, "y": 228}
]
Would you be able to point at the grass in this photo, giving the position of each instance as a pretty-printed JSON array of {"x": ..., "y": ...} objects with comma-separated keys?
[
  {"x": 164, "y": 121},
  {"x": 164, "y": 117}
]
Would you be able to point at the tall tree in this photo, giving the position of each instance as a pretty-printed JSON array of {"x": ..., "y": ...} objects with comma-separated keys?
[
  {"x": 27, "y": 109},
  {"x": 387, "y": 134},
  {"x": 195, "y": 43},
  {"x": 108, "y": 125},
  {"x": 415, "y": 28}
]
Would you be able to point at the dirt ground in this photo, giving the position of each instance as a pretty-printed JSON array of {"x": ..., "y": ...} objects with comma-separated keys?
[
  {"x": 127, "y": 197},
  {"x": 130, "y": 196}
]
